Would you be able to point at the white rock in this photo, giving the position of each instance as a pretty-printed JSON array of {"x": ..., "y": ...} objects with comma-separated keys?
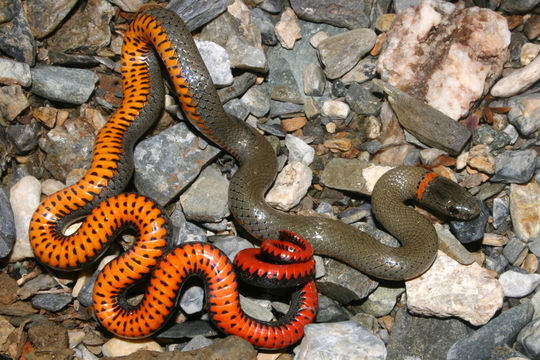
[
  {"x": 291, "y": 185},
  {"x": 450, "y": 289},
  {"x": 123, "y": 347},
  {"x": 335, "y": 109},
  {"x": 518, "y": 285},
  {"x": 518, "y": 80},
  {"x": 217, "y": 61},
  {"x": 24, "y": 197},
  {"x": 529, "y": 52},
  {"x": 14, "y": 72},
  {"x": 371, "y": 175},
  {"x": 299, "y": 150},
  {"x": 75, "y": 337},
  {"x": 345, "y": 340},
  {"x": 50, "y": 186}
]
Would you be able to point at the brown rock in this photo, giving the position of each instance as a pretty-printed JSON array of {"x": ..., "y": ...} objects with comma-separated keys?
[
  {"x": 480, "y": 158},
  {"x": 8, "y": 289},
  {"x": 342, "y": 144},
  {"x": 532, "y": 27},
  {"x": 293, "y": 124},
  {"x": 525, "y": 209}
]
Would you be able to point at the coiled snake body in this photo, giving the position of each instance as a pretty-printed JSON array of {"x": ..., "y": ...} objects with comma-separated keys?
[{"x": 95, "y": 197}]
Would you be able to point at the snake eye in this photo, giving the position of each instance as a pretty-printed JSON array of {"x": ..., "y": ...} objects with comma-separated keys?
[{"x": 453, "y": 210}]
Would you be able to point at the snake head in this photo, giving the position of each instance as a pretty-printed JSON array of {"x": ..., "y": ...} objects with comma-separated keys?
[{"x": 448, "y": 198}]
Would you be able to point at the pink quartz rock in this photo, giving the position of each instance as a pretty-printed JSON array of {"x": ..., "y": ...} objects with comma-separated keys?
[{"x": 444, "y": 54}]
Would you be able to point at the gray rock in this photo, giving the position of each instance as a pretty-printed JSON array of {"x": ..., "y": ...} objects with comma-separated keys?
[
  {"x": 518, "y": 284},
  {"x": 513, "y": 250},
  {"x": 505, "y": 352},
  {"x": 41, "y": 282},
  {"x": 330, "y": 311},
  {"x": 518, "y": 6},
  {"x": 192, "y": 300},
  {"x": 197, "y": 342},
  {"x": 160, "y": 172},
  {"x": 246, "y": 56},
  {"x": 365, "y": 70},
  {"x": 534, "y": 246},
  {"x": 522, "y": 114},
  {"x": 68, "y": 147},
  {"x": 188, "y": 329},
  {"x": 339, "y": 340},
  {"x": 86, "y": 294},
  {"x": 73, "y": 86},
  {"x": 473, "y": 230},
  {"x": 217, "y": 62},
  {"x": 278, "y": 108},
  {"x": 237, "y": 108},
  {"x": 314, "y": 80},
  {"x": 325, "y": 208},
  {"x": 184, "y": 231},
  {"x": 7, "y": 226},
  {"x": 51, "y": 302},
  {"x": 401, "y": 5},
  {"x": 343, "y": 13},
  {"x": 487, "y": 135},
  {"x": 381, "y": 301},
  {"x": 240, "y": 85},
  {"x": 257, "y": 100},
  {"x": 496, "y": 262},
  {"x": 501, "y": 212},
  {"x": 266, "y": 26},
  {"x": 344, "y": 283},
  {"x": 272, "y": 6},
  {"x": 231, "y": 245},
  {"x": 16, "y": 39},
  {"x": 299, "y": 150},
  {"x": 415, "y": 337},
  {"x": 206, "y": 199},
  {"x": 15, "y": 72},
  {"x": 196, "y": 13},
  {"x": 528, "y": 340},
  {"x": 340, "y": 53},
  {"x": 361, "y": 99},
  {"x": 24, "y": 137},
  {"x": 45, "y": 16},
  {"x": 283, "y": 85},
  {"x": 427, "y": 124},
  {"x": 515, "y": 167},
  {"x": 501, "y": 330}
]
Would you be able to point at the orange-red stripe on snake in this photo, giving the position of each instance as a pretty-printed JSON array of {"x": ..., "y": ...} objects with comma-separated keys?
[{"x": 105, "y": 213}]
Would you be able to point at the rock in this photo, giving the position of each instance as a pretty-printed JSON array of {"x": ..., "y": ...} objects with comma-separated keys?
[
  {"x": 51, "y": 302},
  {"x": 480, "y": 158},
  {"x": 24, "y": 197},
  {"x": 84, "y": 33},
  {"x": 329, "y": 310},
  {"x": 523, "y": 114},
  {"x": 290, "y": 187},
  {"x": 314, "y": 80},
  {"x": 513, "y": 251},
  {"x": 257, "y": 100},
  {"x": 518, "y": 6},
  {"x": 364, "y": 70},
  {"x": 501, "y": 330},
  {"x": 525, "y": 209},
  {"x": 16, "y": 38},
  {"x": 501, "y": 212},
  {"x": 451, "y": 289},
  {"x": 299, "y": 150},
  {"x": 335, "y": 110},
  {"x": 462, "y": 50},
  {"x": 217, "y": 62},
  {"x": 237, "y": 108},
  {"x": 49, "y": 338},
  {"x": 73, "y": 86},
  {"x": 13, "y": 102},
  {"x": 532, "y": 27},
  {"x": 340, "y": 53},
  {"x": 245, "y": 56},
  {"x": 343, "y": 13},
  {"x": 240, "y": 85},
  {"x": 528, "y": 340},
  {"x": 293, "y": 124},
  {"x": 427, "y": 124},
  {"x": 346, "y": 339},
  {"x": 7, "y": 225},
  {"x": 68, "y": 147},
  {"x": 518, "y": 285},
  {"x": 517, "y": 81},
  {"x": 192, "y": 299},
  {"x": 451, "y": 246},
  {"x": 352, "y": 175},
  {"x": 196, "y": 13},
  {"x": 287, "y": 29},
  {"x": 529, "y": 51},
  {"x": 30, "y": 288},
  {"x": 153, "y": 175},
  {"x": 206, "y": 199},
  {"x": 344, "y": 283},
  {"x": 416, "y": 337},
  {"x": 265, "y": 23},
  {"x": 44, "y": 16},
  {"x": 24, "y": 137},
  {"x": 122, "y": 347},
  {"x": 361, "y": 99},
  {"x": 198, "y": 342},
  {"x": 487, "y": 135},
  {"x": 128, "y": 5},
  {"x": 381, "y": 301},
  {"x": 515, "y": 166},
  {"x": 14, "y": 72}
]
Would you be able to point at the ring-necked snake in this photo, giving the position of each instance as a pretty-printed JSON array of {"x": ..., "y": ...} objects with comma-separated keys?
[{"x": 95, "y": 195}]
